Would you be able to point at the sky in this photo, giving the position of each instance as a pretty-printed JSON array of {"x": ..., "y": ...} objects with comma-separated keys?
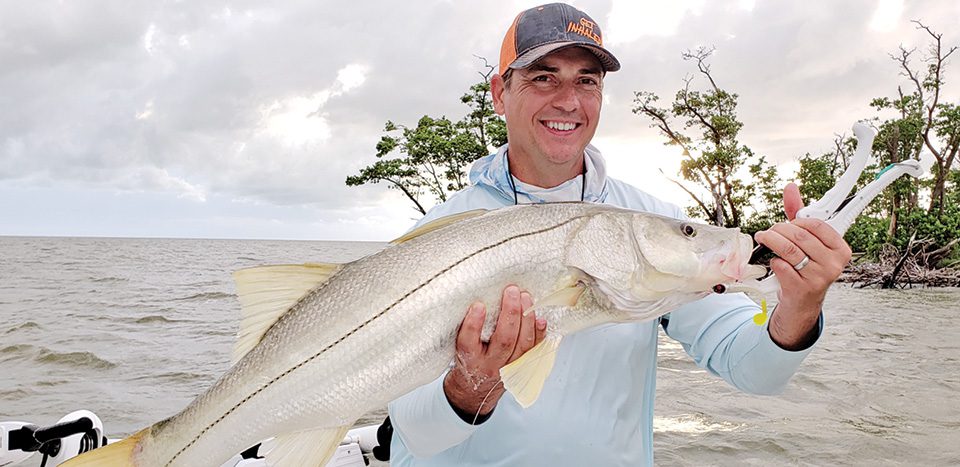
[{"x": 242, "y": 119}]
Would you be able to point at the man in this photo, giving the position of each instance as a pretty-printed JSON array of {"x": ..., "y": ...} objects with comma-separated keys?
[{"x": 596, "y": 407}]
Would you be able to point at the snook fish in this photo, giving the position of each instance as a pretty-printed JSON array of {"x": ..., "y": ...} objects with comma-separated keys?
[{"x": 320, "y": 345}]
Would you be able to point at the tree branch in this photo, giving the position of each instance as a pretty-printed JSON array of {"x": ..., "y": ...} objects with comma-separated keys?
[{"x": 703, "y": 207}]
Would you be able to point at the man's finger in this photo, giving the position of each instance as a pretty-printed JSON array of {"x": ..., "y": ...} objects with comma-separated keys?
[
  {"x": 824, "y": 232},
  {"x": 792, "y": 201},
  {"x": 527, "y": 337},
  {"x": 541, "y": 329},
  {"x": 504, "y": 338},
  {"x": 468, "y": 337},
  {"x": 806, "y": 240},
  {"x": 781, "y": 246}
]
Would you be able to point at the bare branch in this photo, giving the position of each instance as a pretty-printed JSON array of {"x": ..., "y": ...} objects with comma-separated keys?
[
  {"x": 904, "y": 61},
  {"x": 703, "y": 207},
  {"x": 486, "y": 64},
  {"x": 701, "y": 55},
  {"x": 703, "y": 120}
]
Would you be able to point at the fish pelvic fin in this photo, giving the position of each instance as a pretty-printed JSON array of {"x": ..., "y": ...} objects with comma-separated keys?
[
  {"x": 438, "y": 224},
  {"x": 267, "y": 292},
  {"x": 525, "y": 376},
  {"x": 119, "y": 454},
  {"x": 306, "y": 448}
]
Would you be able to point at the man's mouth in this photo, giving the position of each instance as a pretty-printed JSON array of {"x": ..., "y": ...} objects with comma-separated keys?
[{"x": 560, "y": 127}]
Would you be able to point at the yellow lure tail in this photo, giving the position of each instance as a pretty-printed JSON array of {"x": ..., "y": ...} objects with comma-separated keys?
[{"x": 761, "y": 318}]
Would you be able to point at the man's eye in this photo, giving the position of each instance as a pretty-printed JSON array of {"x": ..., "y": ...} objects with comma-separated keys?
[
  {"x": 589, "y": 81},
  {"x": 540, "y": 78}
]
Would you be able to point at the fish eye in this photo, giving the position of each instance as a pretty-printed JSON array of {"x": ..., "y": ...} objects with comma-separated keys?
[{"x": 688, "y": 230}]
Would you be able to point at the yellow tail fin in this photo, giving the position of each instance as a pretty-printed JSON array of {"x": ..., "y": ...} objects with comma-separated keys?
[{"x": 119, "y": 454}]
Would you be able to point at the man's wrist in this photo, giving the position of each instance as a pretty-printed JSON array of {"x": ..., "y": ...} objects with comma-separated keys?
[
  {"x": 777, "y": 332},
  {"x": 452, "y": 390},
  {"x": 469, "y": 417}
]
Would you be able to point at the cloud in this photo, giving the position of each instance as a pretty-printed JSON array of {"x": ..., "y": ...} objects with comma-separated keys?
[
  {"x": 273, "y": 105},
  {"x": 630, "y": 20},
  {"x": 887, "y": 15}
]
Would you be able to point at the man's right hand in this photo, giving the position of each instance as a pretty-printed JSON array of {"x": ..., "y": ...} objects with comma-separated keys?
[{"x": 473, "y": 385}]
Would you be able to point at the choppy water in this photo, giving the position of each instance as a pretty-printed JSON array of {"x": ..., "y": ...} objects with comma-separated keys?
[{"x": 133, "y": 329}]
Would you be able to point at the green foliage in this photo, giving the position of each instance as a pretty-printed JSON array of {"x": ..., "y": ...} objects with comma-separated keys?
[
  {"x": 816, "y": 176},
  {"x": 731, "y": 175},
  {"x": 430, "y": 159},
  {"x": 867, "y": 235},
  {"x": 940, "y": 228},
  {"x": 913, "y": 122}
]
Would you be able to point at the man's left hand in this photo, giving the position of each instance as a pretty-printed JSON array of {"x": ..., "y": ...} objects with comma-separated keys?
[{"x": 802, "y": 291}]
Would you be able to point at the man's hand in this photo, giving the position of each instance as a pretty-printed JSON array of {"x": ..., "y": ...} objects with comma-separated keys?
[
  {"x": 473, "y": 385},
  {"x": 802, "y": 292}
]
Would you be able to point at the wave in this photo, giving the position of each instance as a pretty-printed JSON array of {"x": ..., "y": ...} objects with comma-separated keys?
[
  {"x": 205, "y": 296},
  {"x": 51, "y": 357},
  {"x": 108, "y": 279},
  {"x": 174, "y": 377},
  {"x": 150, "y": 319},
  {"x": 74, "y": 359},
  {"x": 691, "y": 424},
  {"x": 51, "y": 383},
  {"x": 15, "y": 394},
  {"x": 24, "y": 326},
  {"x": 16, "y": 349}
]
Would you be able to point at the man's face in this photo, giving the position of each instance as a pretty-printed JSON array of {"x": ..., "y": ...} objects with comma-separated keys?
[{"x": 552, "y": 108}]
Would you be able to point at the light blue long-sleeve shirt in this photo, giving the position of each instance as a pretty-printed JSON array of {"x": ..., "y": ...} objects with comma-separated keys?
[{"x": 596, "y": 407}]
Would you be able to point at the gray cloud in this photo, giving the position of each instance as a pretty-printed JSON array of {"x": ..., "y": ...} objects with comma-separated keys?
[{"x": 177, "y": 97}]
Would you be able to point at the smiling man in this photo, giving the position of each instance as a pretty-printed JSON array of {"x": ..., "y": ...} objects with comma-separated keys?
[{"x": 596, "y": 407}]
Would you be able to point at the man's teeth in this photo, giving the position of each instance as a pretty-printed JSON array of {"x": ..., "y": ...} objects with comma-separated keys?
[{"x": 561, "y": 126}]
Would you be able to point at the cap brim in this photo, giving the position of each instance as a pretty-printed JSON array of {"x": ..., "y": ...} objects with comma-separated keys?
[{"x": 607, "y": 60}]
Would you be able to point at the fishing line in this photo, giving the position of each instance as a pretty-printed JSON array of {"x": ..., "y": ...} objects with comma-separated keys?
[{"x": 484, "y": 401}]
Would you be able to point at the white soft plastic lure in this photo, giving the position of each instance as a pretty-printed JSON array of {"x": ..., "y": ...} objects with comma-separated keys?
[{"x": 835, "y": 208}]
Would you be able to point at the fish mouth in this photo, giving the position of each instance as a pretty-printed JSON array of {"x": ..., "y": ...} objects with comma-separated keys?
[{"x": 754, "y": 271}]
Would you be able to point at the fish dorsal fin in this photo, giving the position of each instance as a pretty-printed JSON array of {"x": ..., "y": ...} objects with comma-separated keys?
[
  {"x": 525, "y": 376},
  {"x": 267, "y": 292},
  {"x": 440, "y": 223},
  {"x": 306, "y": 448}
]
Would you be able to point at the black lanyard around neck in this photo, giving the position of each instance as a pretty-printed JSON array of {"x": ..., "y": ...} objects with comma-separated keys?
[{"x": 513, "y": 186}]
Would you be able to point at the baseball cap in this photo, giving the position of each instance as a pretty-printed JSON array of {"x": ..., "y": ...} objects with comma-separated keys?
[{"x": 540, "y": 30}]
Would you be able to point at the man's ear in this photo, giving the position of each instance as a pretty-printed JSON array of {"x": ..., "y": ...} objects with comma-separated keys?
[{"x": 497, "y": 87}]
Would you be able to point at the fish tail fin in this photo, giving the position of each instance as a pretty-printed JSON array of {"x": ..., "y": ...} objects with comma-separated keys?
[{"x": 119, "y": 454}]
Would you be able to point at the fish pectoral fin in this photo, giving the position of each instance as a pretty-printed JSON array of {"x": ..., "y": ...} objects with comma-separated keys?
[
  {"x": 440, "y": 223},
  {"x": 566, "y": 297},
  {"x": 568, "y": 292},
  {"x": 118, "y": 454},
  {"x": 267, "y": 292},
  {"x": 525, "y": 376},
  {"x": 306, "y": 448}
]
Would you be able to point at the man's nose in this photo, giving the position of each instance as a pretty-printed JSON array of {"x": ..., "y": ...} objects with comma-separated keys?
[{"x": 566, "y": 98}]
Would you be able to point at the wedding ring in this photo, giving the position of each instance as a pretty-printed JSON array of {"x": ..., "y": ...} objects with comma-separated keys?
[{"x": 802, "y": 264}]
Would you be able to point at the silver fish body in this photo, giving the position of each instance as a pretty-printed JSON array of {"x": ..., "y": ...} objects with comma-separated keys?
[{"x": 386, "y": 324}]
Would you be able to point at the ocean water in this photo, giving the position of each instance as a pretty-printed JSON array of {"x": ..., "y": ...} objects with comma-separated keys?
[{"x": 133, "y": 329}]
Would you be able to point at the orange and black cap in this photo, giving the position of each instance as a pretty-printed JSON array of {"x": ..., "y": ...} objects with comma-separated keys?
[{"x": 540, "y": 30}]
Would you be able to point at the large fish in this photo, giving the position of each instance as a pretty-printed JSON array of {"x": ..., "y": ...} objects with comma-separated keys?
[{"x": 320, "y": 345}]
